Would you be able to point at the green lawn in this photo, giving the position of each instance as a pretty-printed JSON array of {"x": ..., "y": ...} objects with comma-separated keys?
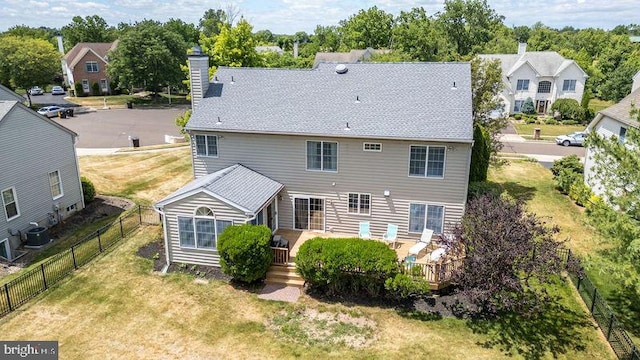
[
  {"x": 120, "y": 101},
  {"x": 597, "y": 104},
  {"x": 533, "y": 183},
  {"x": 547, "y": 130}
]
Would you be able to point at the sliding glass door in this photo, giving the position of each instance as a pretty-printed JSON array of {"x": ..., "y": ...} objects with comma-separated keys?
[{"x": 308, "y": 213}]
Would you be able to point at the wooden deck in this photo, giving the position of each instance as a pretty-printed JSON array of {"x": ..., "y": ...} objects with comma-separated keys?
[{"x": 437, "y": 273}]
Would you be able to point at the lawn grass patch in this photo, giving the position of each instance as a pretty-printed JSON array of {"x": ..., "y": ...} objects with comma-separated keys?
[
  {"x": 546, "y": 130},
  {"x": 120, "y": 101},
  {"x": 597, "y": 104}
]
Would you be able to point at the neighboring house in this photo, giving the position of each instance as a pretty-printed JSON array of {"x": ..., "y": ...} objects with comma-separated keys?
[
  {"x": 87, "y": 63},
  {"x": 275, "y": 49},
  {"x": 636, "y": 82},
  {"x": 543, "y": 76},
  {"x": 39, "y": 177},
  {"x": 614, "y": 120},
  {"x": 322, "y": 150},
  {"x": 8, "y": 94},
  {"x": 353, "y": 56}
]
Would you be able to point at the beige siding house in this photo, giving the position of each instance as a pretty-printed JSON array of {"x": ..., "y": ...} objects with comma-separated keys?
[
  {"x": 322, "y": 150},
  {"x": 543, "y": 76}
]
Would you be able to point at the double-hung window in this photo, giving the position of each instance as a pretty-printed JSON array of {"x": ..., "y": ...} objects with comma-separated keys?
[
  {"x": 322, "y": 155},
  {"x": 10, "y": 203},
  {"x": 517, "y": 105},
  {"x": 55, "y": 183},
  {"x": 91, "y": 66},
  {"x": 359, "y": 204},
  {"x": 522, "y": 85},
  {"x": 207, "y": 145},
  {"x": 423, "y": 216},
  {"x": 569, "y": 85},
  {"x": 427, "y": 161}
]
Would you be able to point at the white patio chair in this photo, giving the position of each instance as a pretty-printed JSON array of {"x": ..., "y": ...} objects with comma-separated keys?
[{"x": 425, "y": 240}]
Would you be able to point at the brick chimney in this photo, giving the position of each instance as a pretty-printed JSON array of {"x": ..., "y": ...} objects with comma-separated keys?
[
  {"x": 522, "y": 48},
  {"x": 198, "y": 75}
]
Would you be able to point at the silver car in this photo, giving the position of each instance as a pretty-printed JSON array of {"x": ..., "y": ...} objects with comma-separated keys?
[
  {"x": 50, "y": 111},
  {"x": 57, "y": 90},
  {"x": 576, "y": 138}
]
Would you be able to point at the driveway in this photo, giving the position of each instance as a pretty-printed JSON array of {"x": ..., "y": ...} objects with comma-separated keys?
[{"x": 112, "y": 128}]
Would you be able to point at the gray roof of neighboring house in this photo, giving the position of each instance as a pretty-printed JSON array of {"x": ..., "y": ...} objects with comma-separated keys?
[
  {"x": 394, "y": 100},
  {"x": 8, "y": 94},
  {"x": 80, "y": 49},
  {"x": 544, "y": 63},
  {"x": 230, "y": 185},
  {"x": 620, "y": 111},
  {"x": 265, "y": 48},
  {"x": 353, "y": 56}
]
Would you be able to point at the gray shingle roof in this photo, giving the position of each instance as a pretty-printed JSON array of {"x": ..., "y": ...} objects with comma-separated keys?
[
  {"x": 620, "y": 111},
  {"x": 396, "y": 100},
  {"x": 230, "y": 185},
  {"x": 545, "y": 63},
  {"x": 8, "y": 94}
]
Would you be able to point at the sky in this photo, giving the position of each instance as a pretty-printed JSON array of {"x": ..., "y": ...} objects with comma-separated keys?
[{"x": 290, "y": 16}]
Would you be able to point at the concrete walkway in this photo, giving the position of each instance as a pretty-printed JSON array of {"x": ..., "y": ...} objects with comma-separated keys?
[
  {"x": 278, "y": 292},
  {"x": 119, "y": 151}
]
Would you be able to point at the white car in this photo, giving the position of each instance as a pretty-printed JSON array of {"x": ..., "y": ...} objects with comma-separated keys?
[
  {"x": 36, "y": 90},
  {"x": 50, "y": 111},
  {"x": 57, "y": 90},
  {"x": 576, "y": 138}
]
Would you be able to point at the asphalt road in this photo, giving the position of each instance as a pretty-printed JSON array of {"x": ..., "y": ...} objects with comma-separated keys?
[
  {"x": 112, "y": 128},
  {"x": 541, "y": 148},
  {"x": 47, "y": 99}
]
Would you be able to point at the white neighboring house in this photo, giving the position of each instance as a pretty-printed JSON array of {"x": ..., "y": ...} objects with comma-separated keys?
[
  {"x": 543, "y": 76},
  {"x": 612, "y": 121},
  {"x": 636, "y": 82}
]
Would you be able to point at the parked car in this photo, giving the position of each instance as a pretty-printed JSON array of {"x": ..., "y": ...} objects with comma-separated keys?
[
  {"x": 36, "y": 90},
  {"x": 57, "y": 90},
  {"x": 576, "y": 138},
  {"x": 50, "y": 111}
]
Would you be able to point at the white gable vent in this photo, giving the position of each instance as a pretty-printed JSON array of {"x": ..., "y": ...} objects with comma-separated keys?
[{"x": 341, "y": 68}]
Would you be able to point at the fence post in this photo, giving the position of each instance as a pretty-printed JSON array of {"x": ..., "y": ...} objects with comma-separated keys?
[
  {"x": 6, "y": 291},
  {"x": 44, "y": 279},
  {"x": 99, "y": 241},
  {"x": 610, "y": 326},
  {"x": 578, "y": 284},
  {"x": 73, "y": 255},
  {"x": 121, "y": 230},
  {"x": 593, "y": 299},
  {"x": 140, "y": 213}
]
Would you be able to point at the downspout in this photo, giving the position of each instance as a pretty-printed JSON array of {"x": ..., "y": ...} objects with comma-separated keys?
[
  {"x": 75, "y": 158},
  {"x": 160, "y": 211}
]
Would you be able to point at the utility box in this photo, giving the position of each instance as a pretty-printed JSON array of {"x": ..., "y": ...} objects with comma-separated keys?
[{"x": 536, "y": 134}]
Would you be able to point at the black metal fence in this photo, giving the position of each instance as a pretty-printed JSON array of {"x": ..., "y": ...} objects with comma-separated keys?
[
  {"x": 21, "y": 289},
  {"x": 617, "y": 337}
]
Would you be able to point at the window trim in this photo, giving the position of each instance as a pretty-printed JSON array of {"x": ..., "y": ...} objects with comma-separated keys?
[
  {"x": 193, "y": 219},
  {"x": 622, "y": 135},
  {"x": 569, "y": 87},
  {"x": 7, "y": 246},
  {"x": 106, "y": 85},
  {"x": 88, "y": 87},
  {"x": 15, "y": 201},
  {"x": 426, "y": 168},
  {"x": 59, "y": 184},
  {"x": 359, "y": 201},
  {"x": 364, "y": 147},
  {"x": 426, "y": 212},
  {"x": 528, "y": 82},
  {"x": 306, "y": 156},
  {"x": 521, "y": 105},
  {"x": 206, "y": 145},
  {"x": 544, "y": 92},
  {"x": 86, "y": 66}
]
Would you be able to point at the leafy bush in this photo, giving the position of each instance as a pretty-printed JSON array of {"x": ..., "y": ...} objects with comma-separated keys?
[
  {"x": 570, "y": 162},
  {"x": 517, "y": 116},
  {"x": 88, "y": 190},
  {"x": 567, "y": 171},
  {"x": 569, "y": 109},
  {"x": 551, "y": 121},
  {"x": 480, "y": 154},
  {"x": 181, "y": 120},
  {"x": 79, "y": 89},
  {"x": 95, "y": 89},
  {"x": 580, "y": 192},
  {"x": 569, "y": 122},
  {"x": 407, "y": 287},
  {"x": 479, "y": 188},
  {"x": 245, "y": 251},
  {"x": 528, "y": 107},
  {"x": 529, "y": 120},
  {"x": 346, "y": 266}
]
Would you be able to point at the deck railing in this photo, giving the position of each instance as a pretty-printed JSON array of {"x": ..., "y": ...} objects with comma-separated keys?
[
  {"x": 280, "y": 255},
  {"x": 438, "y": 274}
]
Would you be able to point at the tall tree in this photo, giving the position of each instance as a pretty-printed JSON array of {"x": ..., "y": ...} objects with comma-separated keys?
[
  {"x": 212, "y": 22},
  {"x": 417, "y": 35},
  {"x": 233, "y": 46},
  {"x": 368, "y": 28},
  {"x": 187, "y": 31},
  {"x": 42, "y": 32},
  {"x": 327, "y": 38},
  {"x": 469, "y": 24},
  {"x": 486, "y": 84},
  {"x": 148, "y": 54},
  {"x": 26, "y": 62},
  {"x": 88, "y": 29}
]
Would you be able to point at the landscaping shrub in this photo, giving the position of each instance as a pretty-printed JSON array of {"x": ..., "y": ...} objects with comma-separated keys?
[
  {"x": 88, "y": 190},
  {"x": 569, "y": 109},
  {"x": 95, "y": 89},
  {"x": 527, "y": 107},
  {"x": 551, "y": 121},
  {"x": 479, "y": 188},
  {"x": 407, "y": 287},
  {"x": 529, "y": 120},
  {"x": 517, "y": 116},
  {"x": 79, "y": 90},
  {"x": 346, "y": 266},
  {"x": 580, "y": 192},
  {"x": 245, "y": 252},
  {"x": 566, "y": 171},
  {"x": 182, "y": 119},
  {"x": 480, "y": 154}
]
